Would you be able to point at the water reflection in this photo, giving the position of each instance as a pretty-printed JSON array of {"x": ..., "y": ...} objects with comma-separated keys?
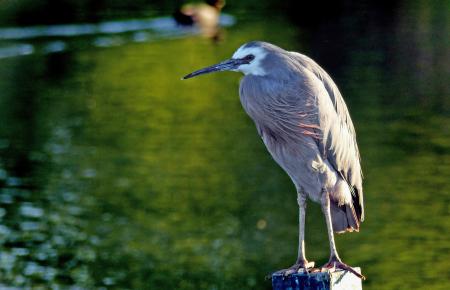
[
  {"x": 114, "y": 174},
  {"x": 161, "y": 24},
  {"x": 141, "y": 30},
  {"x": 16, "y": 50}
]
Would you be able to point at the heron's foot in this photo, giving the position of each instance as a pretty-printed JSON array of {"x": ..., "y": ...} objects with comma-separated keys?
[
  {"x": 336, "y": 263},
  {"x": 298, "y": 267}
]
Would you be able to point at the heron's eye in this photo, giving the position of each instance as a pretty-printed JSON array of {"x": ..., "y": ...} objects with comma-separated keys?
[{"x": 249, "y": 57}]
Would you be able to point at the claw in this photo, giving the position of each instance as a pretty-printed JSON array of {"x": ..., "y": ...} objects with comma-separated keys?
[
  {"x": 304, "y": 265},
  {"x": 332, "y": 265}
]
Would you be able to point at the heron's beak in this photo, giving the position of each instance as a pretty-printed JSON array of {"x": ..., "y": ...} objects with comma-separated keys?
[{"x": 230, "y": 64}]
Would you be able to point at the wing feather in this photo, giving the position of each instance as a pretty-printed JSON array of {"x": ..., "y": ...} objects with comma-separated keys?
[{"x": 338, "y": 144}]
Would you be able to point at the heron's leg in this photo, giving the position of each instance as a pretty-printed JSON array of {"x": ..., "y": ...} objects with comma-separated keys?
[
  {"x": 326, "y": 209},
  {"x": 335, "y": 261},
  {"x": 301, "y": 262},
  {"x": 301, "y": 258}
]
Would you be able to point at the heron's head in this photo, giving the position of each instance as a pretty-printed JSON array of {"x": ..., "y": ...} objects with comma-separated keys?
[{"x": 247, "y": 59}]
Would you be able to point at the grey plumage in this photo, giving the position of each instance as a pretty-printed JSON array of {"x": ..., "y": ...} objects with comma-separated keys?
[{"x": 305, "y": 124}]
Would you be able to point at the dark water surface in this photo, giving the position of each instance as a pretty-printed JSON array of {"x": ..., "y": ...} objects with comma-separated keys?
[{"x": 115, "y": 174}]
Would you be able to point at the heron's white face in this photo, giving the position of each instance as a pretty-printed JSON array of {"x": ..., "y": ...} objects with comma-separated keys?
[
  {"x": 247, "y": 60},
  {"x": 255, "y": 65}
]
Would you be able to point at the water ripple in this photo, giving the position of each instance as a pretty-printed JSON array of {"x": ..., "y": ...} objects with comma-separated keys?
[
  {"x": 160, "y": 24},
  {"x": 16, "y": 50}
]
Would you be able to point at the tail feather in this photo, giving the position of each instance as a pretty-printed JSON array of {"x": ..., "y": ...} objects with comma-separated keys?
[
  {"x": 344, "y": 218},
  {"x": 358, "y": 203}
]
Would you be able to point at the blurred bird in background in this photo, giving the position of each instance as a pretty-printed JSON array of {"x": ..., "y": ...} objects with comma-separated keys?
[
  {"x": 204, "y": 15},
  {"x": 304, "y": 123}
]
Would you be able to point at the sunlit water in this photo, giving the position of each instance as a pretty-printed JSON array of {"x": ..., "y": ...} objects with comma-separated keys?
[
  {"x": 104, "y": 34},
  {"x": 116, "y": 174}
]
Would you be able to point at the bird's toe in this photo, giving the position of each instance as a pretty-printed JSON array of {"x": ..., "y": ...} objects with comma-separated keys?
[
  {"x": 299, "y": 267},
  {"x": 332, "y": 265}
]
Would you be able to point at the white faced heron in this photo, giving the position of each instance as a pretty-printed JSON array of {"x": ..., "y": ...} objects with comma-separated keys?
[{"x": 304, "y": 123}]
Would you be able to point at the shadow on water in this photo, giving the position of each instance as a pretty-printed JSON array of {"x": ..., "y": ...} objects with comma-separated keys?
[{"x": 115, "y": 174}]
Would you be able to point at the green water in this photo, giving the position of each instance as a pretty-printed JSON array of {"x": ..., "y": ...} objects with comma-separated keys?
[{"x": 117, "y": 174}]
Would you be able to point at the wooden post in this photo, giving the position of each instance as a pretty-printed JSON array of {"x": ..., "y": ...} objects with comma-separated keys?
[{"x": 336, "y": 280}]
